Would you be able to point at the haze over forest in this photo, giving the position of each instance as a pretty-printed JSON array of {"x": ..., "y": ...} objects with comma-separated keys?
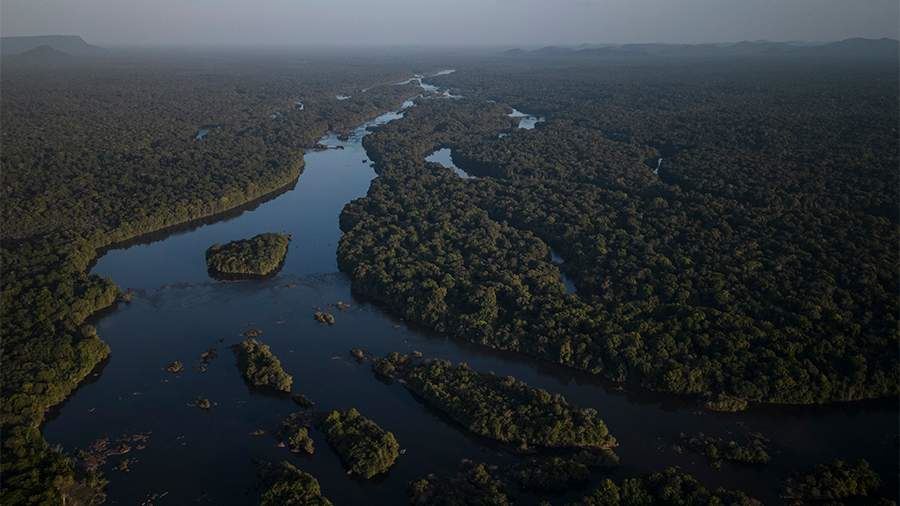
[
  {"x": 499, "y": 252},
  {"x": 463, "y": 22}
]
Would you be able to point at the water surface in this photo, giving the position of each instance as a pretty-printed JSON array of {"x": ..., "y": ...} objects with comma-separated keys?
[{"x": 444, "y": 157}]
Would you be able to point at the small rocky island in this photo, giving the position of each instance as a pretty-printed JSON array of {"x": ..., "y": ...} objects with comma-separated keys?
[
  {"x": 260, "y": 367},
  {"x": 259, "y": 256}
]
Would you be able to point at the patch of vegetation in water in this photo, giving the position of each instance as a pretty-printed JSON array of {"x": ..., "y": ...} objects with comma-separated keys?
[
  {"x": 294, "y": 433},
  {"x": 833, "y": 482},
  {"x": 364, "y": 447},
  {"x": 261, "y": 255},
  {"x": 473, "y": 484},
  {"x": 752, "y": 449},
  {"x": 555, "y": 474},
  {"x": 500, "y": 408},
  {"x": 481, "y": 484},
  {"x": 725, "y": 403},
  {"x": 260, "y": 367},
  {"x": 284, "y": 484},
  {"x": 670, "y": 486},
  {"x": 324, "y": 317}
]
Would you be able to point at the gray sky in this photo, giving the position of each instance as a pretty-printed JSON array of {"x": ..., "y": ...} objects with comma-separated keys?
[{"x": 447, "y": 22}]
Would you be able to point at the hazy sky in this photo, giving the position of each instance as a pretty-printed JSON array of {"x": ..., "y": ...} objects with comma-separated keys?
[{"x": 447, "y": 22}]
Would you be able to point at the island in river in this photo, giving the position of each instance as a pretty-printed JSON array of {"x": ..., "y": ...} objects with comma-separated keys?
[{"x": 261, "y": 255}]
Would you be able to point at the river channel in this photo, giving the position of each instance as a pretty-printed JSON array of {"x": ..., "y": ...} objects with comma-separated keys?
[{"x": 210, "y": 456}]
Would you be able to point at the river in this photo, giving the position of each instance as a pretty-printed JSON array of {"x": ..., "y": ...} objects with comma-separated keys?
[{"x": 210, "y": 456}]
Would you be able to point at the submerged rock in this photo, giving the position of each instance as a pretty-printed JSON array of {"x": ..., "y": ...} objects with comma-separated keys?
[
  {"x": 175, "y": 367},
  {"x": 323, "y": 317},
  {"x": 302, "y": 401}
]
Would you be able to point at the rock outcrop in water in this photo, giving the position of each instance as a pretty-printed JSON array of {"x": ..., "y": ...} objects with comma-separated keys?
[
  {"x": 500, "y": 408},
  {"x": 261, "y": 255},
  {"x": 260, "y": 367},
  {"x": 365, "y": 448}
]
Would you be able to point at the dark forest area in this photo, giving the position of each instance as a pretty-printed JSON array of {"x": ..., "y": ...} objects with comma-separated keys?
[{"x": 730, "y": 224}]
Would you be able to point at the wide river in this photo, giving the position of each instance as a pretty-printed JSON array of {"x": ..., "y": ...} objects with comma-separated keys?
[{"x": 211, "y": 457}]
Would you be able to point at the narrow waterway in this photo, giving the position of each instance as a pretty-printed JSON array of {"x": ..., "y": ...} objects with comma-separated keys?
[
  {"x": 444, "y": 158},
  {"x": 526, "y": 121},
  {"x": 210, "y": 457}
]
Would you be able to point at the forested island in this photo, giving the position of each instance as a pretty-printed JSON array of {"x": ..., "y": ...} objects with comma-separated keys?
[
  {"x": 503, "y": 409},
  {"x": 261, "y": 255},
  {"x": 365, "y": 448},
  {"x": 834, "y": 482},
  {"x": 285, "y": 484},
  {"x": 476, "y": 483},
  {"x": 260, "y": 367}
]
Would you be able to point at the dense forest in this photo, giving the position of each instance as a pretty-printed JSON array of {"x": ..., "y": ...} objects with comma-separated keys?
[
  {"x": 504, "y": 409},
  {"x": 834, "y": 483},
  {"x": 284, "y": 484},
  {"x": 365, "y": 448},
  {"x": 670, "y": 486},
  {"x": 260, "y": 255},
  {"x": 731, "y": 230},
  {"x": 101, "y": 152},
  {"x": 479, "y": 484},
  {"x": 756, "y": 261},
  {"x": 260, "y": 367}
]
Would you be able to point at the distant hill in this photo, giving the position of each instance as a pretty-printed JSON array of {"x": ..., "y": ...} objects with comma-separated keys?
[
  {"x": 858, "y": 49},
  {"x": 42, "y": 55},
  {"x": 71, "y": 44}
]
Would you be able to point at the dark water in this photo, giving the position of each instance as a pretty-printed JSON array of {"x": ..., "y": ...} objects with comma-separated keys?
[{"x": 210, "y": 457}]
